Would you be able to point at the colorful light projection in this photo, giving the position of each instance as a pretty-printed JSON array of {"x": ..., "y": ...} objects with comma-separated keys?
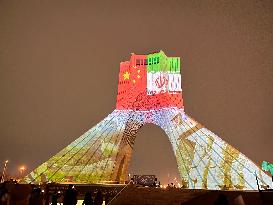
[
  {"x": 266, "y": 166},
  {"x": 149, "y": 91},
  {"x": 149, "y": 82}
]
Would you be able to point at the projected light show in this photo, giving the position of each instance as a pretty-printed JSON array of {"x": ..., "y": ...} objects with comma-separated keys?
[{"x": 149, "y": 91}]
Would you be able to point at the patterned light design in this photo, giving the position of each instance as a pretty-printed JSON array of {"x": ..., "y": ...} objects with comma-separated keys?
[{"x": 149, "y": 91}]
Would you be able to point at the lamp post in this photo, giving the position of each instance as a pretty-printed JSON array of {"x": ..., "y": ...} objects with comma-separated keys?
[
  {"x": 22, "y": 169},
  {"x": 4, "y": 171}
]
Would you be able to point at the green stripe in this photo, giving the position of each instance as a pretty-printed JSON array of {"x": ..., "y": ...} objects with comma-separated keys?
[
  {"x": 159, "y": 62},
  {"x": 154, "y": 62},
  {"x": 174, "y": 64}
]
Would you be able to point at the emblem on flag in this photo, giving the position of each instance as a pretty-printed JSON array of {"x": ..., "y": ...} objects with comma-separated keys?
[{"x": 161, "y": 81}]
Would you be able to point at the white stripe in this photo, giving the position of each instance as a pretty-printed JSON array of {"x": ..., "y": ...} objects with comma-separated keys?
[
  {"x": 162, "y": 82},
  {"x": 174, "y": 84}
]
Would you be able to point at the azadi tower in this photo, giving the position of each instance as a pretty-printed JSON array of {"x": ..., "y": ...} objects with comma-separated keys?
[{"x": 149, "y": 91}]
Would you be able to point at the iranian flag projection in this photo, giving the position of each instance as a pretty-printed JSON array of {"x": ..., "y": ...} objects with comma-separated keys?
[
  {"x": 149, "y": 82},
  {"x": 149, "y": 91}
]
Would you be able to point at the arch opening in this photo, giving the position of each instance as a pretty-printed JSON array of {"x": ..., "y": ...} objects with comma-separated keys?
[{"x": 153, "y": 154}]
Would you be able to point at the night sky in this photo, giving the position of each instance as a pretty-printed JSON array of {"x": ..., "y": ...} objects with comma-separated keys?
[{"x": 59, "y": 64}]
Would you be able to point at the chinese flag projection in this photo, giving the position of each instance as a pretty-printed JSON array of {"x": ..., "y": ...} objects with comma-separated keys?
[{"x": 149, "y": 91}]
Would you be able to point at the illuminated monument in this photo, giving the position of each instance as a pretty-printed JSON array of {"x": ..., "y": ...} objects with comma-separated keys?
[{"x": 149, "y": 91}]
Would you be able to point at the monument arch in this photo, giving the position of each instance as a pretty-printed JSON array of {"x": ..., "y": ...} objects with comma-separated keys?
[{"x": 149, "y": 91}]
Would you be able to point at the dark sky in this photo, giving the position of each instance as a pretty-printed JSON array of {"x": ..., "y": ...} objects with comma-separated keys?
[{"x": 59, "y": 64}]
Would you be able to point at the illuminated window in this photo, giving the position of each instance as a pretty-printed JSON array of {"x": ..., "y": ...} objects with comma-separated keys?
[{"x": 145, "y": 62}]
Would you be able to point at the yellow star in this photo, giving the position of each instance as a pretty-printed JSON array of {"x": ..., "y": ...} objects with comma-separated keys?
[
  {"x": 126, "y": 75},
  {"x": 134, "y": 81},
  {"x": 138, "y": 76},
  {"x": 138, "y": 71}
]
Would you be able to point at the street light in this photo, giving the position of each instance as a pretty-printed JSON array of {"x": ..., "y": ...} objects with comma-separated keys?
[
  {"x": 22, "y": 169},
  {"x": 4, "y": 171}
]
